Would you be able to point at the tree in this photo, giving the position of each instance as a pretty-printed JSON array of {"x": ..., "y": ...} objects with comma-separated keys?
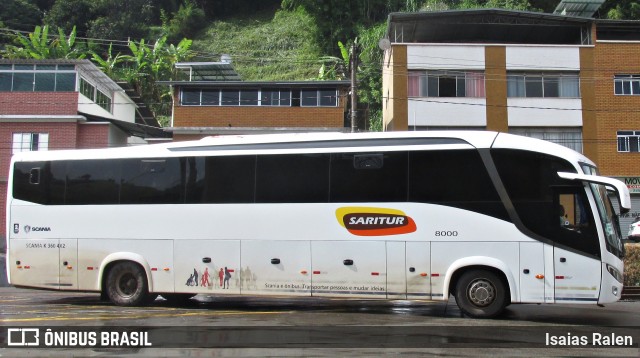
[
  {"x": 186, "y": 22},
  {"x": 19, "y": 14},
  {"x": 39, "y": 45},
  {"x": 119, "y": 20},
  {"x": 148, "y": 64},
  {"x": 339, "y": 20},
  {"x": 67, "y": 14},
  {"x": 621, "y": 9}
]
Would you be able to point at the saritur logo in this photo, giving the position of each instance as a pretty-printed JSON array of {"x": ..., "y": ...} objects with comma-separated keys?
[{"x": 364, "y": 221}]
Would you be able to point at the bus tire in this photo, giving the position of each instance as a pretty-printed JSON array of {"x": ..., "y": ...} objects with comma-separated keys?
[
  {"x": 481, "y": 294},
  {"x": 127, "y": 285},
  {"x": 178, "y": 298}
]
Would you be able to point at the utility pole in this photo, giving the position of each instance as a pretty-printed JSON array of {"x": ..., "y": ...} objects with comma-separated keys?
[{"x": 354, "y": 86}]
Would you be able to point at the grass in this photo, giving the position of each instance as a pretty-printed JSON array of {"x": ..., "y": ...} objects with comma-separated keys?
[{"x": 274, "y": 46}]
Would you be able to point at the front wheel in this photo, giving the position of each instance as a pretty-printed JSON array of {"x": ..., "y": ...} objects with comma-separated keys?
[
  {"x": 127, "y": 285},
  {"x": 481, "y": 294}
]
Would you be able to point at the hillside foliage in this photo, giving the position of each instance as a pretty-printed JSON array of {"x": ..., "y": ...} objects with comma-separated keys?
[{"x": 268, "y": 40}]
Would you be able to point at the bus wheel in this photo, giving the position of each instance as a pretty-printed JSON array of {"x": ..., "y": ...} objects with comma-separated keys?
[
  {"x": 480, "y": 294},
  {"x": 127, "y": 285},
  {"x": 177, "y": 298}
]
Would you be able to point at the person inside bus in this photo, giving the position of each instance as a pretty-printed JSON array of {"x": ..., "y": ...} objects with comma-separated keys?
[{"x": 563, "y": 218}]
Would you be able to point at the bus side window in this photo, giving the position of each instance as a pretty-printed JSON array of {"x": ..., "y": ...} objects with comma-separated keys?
[
  {"x": 152, "y": 181},
  {"x": 575, "y": 229}
]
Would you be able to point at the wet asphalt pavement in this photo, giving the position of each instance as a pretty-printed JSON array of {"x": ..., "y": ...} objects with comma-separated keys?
[{"x": 277, "y": 326}]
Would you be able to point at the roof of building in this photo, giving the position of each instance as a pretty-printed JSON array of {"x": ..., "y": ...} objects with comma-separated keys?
[
  {"x": 86, "y": 67},
  {"x": 488, "y": 26},
  {"x": 583, "y": 8},
  {"x": 258, "y": 84},
  {"x": 209, "y": 71}
]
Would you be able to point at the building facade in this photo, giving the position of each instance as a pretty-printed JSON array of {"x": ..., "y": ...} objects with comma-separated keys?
[
  {"x": 570, "y": 80},
  {"x": 213, "y": 100},
  {"x": 62, "y": 104}
]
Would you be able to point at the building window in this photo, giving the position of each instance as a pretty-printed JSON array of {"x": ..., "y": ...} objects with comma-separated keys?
[
  {"x": 87, "y": 89},
  {"x": 25, "y": 142},
  {"x": 37, "y": 78},
  {"x": 446, "y": 84},
  {"x": 543, "y": 84},
  {"x": 90, "y": 91},
  {"x": 318, "y": 97},
  {"x": 275, "y": 97},
  {"x": 627, "y": 85},
  {"x": 311, "y": 97},
  {"x": 568, "y": 137},
  {"x": 103, "y": 101},
  {"x": 629, "y": 141}
]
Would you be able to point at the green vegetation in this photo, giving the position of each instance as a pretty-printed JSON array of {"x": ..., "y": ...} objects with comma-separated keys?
[
  {"x": 264, "y": 48},
  {"x": 268, "y": 40},
  {"x": 632, "y": 265}
]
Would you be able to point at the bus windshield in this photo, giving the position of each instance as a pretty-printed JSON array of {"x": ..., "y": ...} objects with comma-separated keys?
[{"x": 608, "y": 216}]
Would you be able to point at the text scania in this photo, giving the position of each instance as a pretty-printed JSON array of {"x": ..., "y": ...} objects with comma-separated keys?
[{"x": 40, "y": 228}]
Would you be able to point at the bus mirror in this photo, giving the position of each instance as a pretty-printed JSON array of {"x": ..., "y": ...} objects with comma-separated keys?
[{"x": 34, "y": 176}]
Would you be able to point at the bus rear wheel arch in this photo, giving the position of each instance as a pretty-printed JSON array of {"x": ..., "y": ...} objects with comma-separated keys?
[
  {"x": 481, "y": 292},
  {"x": 126, "y": 284}
]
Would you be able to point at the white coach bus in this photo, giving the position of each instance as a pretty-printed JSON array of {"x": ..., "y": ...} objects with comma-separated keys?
[{"x": 489, "y": 218}]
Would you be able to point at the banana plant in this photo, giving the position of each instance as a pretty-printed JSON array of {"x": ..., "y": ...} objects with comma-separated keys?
[{"x": 38, "y": 45}]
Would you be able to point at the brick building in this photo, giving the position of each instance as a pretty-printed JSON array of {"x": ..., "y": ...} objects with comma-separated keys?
[
  {"x": 64, "y": 104},
  {"x": 212, "y": 100},
  {"x": 567, "y": 79}
]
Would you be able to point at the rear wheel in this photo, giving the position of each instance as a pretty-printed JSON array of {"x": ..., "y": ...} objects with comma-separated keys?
[
  {"x": 127, "y": 285},
  {"x": 481, "y": 294}
]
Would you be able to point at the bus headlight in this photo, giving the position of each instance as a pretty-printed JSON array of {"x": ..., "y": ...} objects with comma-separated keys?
[{"x": 615, "y": 273}]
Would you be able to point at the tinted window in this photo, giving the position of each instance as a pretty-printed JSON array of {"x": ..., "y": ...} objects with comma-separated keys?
[
  {"x": 93, "y": 182},
  {"x": 210, "y": 97},
  {"x": 328, "y": 98},
  {"x": 230, "y": 97},
  {"x": 5, "y": 81},
  {"x": 65, "y": 82},
  {"x": 540, "y": 198},
  {"x": 45, "y": 82},
  {"x": 221, "y": 179},
  {"x": 309, "y": 97},
  {"x": 153, "y": 181},
  {"x": 190, "y": 97},
  {"x": 376, "y": 177},
  {"x": 293, "y": 178},
  {"x": 23, "y": 81},
  {"x": 249, "y": 98},
  {"x": 454, "y": 178},
  {"x": 40, "y": 182}
]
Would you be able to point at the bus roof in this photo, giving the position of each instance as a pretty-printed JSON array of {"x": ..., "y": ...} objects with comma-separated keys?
[{"x": 312, "y": 142}]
